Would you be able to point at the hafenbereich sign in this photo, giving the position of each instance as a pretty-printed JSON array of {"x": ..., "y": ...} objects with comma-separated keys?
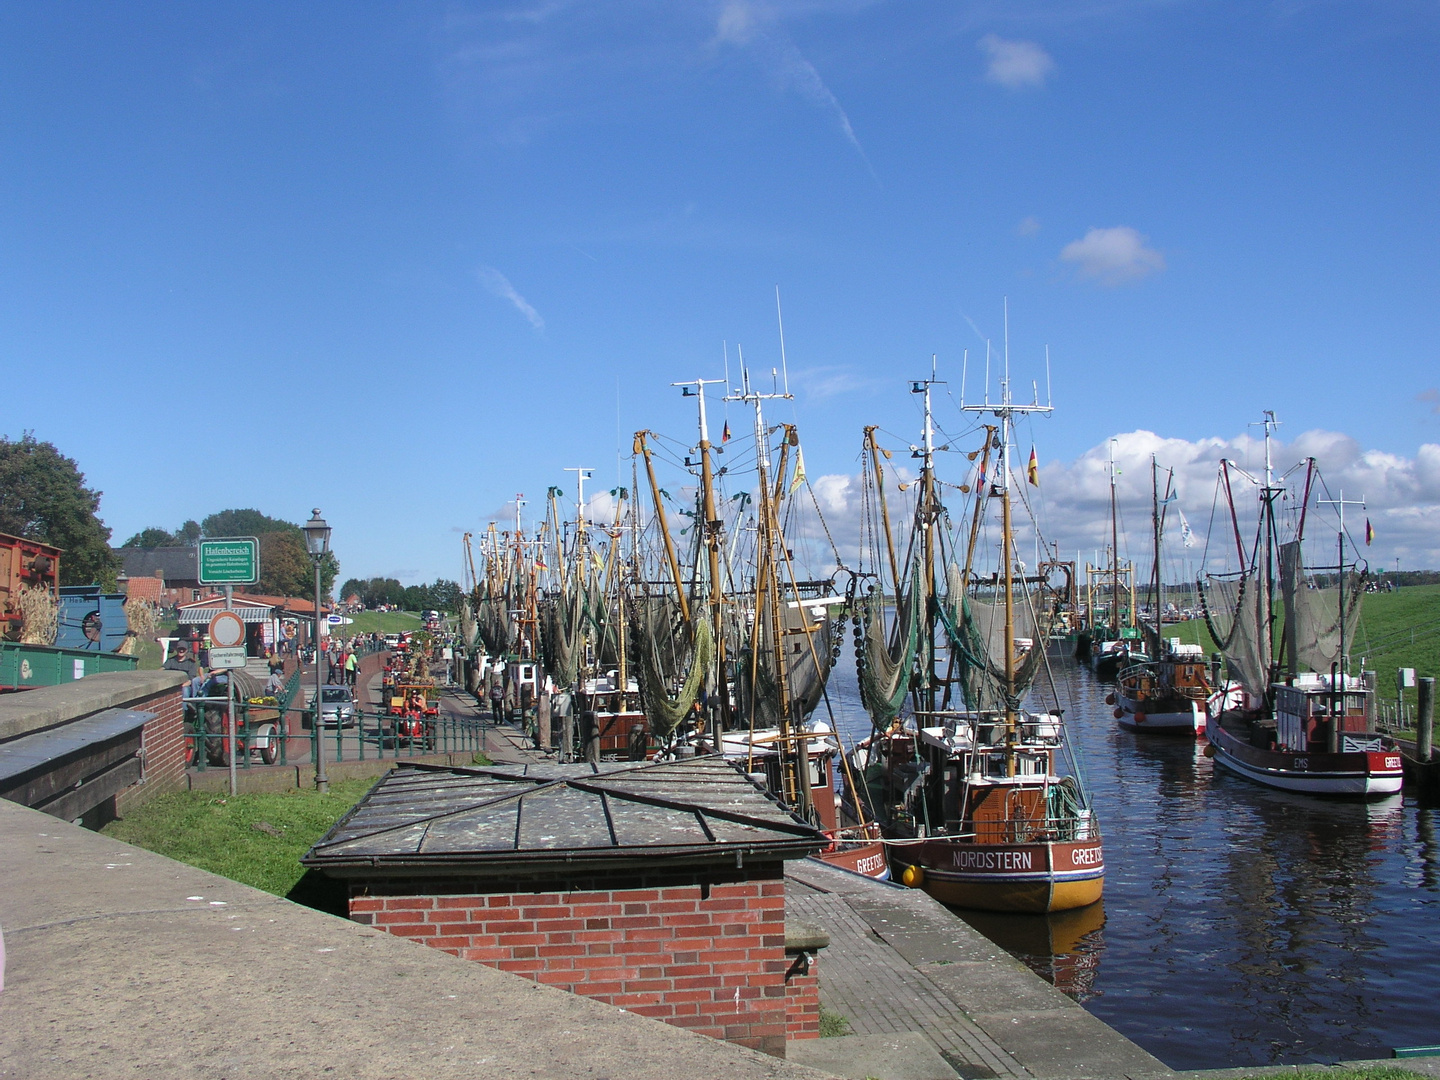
[{"x": 233, "y": 560}]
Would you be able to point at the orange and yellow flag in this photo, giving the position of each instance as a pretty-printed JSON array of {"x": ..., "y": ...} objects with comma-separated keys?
[{"x": 1032, "y": 471}]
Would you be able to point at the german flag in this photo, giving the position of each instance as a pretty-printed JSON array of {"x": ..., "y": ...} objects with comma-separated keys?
[
  {"x": 1032, "y": 470},
  {"x": 1369, "y": 532}
]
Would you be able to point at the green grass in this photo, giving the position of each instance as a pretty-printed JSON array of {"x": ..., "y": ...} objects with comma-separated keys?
[
  {"x": 379, "y": 622},
  {"x": 220, "y": 834},
  {"x": 832, "y": 1024},
  {"x": 149, "y": 650}
]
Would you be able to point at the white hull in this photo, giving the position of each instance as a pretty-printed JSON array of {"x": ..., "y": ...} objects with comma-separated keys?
[
  {"x": 1135, "y": 718},
  {"x": 1313, "y": 783}
]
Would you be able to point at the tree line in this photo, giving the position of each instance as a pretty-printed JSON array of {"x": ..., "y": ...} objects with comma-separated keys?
[
  {"x": 442, "y": 595},
  {"x": 286, "y": 568}
]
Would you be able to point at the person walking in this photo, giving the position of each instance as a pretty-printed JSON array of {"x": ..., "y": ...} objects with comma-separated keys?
[
  {"x": 497, "y": 703},
  {"x": 352, "y": 667}
]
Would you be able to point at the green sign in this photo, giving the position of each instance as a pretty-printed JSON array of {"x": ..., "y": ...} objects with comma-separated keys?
[{"x": 231, "y": 561}]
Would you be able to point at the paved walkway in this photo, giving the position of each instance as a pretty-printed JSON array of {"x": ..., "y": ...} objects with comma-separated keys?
[{"x": 900, "y": 962}]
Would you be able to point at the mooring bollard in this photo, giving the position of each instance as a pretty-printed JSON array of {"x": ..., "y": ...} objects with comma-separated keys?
[{"x": 1425, "y": 722}]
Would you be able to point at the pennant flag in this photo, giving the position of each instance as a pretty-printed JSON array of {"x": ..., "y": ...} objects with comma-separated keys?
[
  {"x": 1032, "y": 470},
  {"x": 725, "y": 435},
  {"x": 540, "y": 563},
  {"x": 799, "y": 471},
  {"x": 980, "y": 473},
  {"x": 1187, "y": 538},
  {"x": 1369, "y": 532}
]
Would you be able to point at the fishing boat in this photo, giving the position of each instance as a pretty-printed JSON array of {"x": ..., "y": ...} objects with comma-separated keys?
[
  {"x": 1290, "y": 715},
  {"x": 1114, "y": 642},
  {"x": 764, "y": 644},
  {"x": 1167, "y": 695},
  {"x": 983, "y": 804}
]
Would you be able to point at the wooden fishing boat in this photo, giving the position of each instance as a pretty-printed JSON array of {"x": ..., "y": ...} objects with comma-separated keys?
[
  {"x": 1291, "y": 716},
  {"x": 984, "y": 807},
  {"x": 1167, "y": 695}
]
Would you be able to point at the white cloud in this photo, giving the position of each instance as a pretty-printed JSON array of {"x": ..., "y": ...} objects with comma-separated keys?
[
  {"x": 1401, "y": 494},
  {"x": 1016, "y": 65},
  {"x": 499, "y": 285},
  {"x": 1028, "y": 226},
  {"x": 1113, "y": 256}
]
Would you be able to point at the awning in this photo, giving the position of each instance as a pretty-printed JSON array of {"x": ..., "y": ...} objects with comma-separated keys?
[{"x": 202, "y": 616}]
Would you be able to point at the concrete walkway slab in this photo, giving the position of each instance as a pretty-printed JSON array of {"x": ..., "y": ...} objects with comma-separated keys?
[
  {"x": 903, "y": 1056},
  {"x": 899, "y": 961},
  {"x": 122, "y": 963}
]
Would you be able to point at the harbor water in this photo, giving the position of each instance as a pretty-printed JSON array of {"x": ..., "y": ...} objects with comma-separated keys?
[{"x": 1240, "y": 925}]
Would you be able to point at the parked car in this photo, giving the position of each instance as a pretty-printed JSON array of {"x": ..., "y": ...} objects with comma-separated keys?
[{"x": 337, "y": 706}]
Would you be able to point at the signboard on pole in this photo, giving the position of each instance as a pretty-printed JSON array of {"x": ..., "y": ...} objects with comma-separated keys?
[
  {"x": 225, "y": 658},
  {"x": 231, "y": 560}
]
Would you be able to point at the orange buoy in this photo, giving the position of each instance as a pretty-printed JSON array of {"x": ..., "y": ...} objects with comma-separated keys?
[
  {"x": 1109, "y": 699},
  {"x": 1209, "y": 750},
  {"x": 1119, "y": 713},
  {"x": 1139, "y": 718},
  {"x": 913, "y": 877}
]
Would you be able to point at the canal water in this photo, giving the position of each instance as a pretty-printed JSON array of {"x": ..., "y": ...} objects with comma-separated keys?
[{"x": 1240, "y": 925}]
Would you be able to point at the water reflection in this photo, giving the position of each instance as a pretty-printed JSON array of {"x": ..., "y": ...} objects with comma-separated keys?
[
  {"x": 1063, "y": 948},
  {"x": 1241, "y": 925}
]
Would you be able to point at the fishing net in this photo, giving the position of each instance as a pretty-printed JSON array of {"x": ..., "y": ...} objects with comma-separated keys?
[
  {"x": 1312, "y": 616},
  {"x": 807, "y": 659},
  {"x": 1238, "y": 617},
  {"x": 561, "y": 641},
  {"x": 884, "y": 661},
  {"x": 655, "y": 636},
  {"x": 469, "y": 630},
  {"x": 976, "y": 629}
]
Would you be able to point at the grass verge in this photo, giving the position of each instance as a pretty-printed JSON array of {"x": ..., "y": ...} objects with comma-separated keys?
[
  {"x": 378, "y": 622},
  {"x": 256, "y": 839},
  {"x": 832, "y": 1024}
]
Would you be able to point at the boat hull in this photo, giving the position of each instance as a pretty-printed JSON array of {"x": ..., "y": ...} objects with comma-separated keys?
[
  {"x": 1363, "y": 773},
  {"x": 1037, "y": 877},
  {"x": 860, "y": 857},
  {"x": 1176, "y": 718}
]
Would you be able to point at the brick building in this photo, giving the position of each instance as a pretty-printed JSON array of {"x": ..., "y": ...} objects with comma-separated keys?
[
  {"x": 173, "y": 567},
  {"x": 658, "y": 888}
]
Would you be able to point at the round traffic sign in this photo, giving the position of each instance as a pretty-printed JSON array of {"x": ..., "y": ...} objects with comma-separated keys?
[{"x": 227, "y": 630}]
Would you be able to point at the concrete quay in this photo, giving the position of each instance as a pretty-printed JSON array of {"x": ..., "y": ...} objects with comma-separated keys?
[
  {"x": 121, "y": 962},
  {"x": 900, "y": 964}
]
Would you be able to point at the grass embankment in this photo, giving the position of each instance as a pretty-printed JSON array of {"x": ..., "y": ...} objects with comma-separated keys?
[
  {"x": 256, "y": 839},
  {"x": 1375, "y": 1072},
  {"x": 379, "y": 622},
  {"x": 1397, "y": 629}
]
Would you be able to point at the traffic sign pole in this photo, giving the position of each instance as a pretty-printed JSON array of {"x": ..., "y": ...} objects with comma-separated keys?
[{"x": 230, "y": 698}]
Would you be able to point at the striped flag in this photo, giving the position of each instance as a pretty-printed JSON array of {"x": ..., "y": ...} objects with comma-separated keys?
[
  {"x": 1369, "y": 532},
  {"x": 725, "y": 435},
  {"x": 1032, "y": 471}
]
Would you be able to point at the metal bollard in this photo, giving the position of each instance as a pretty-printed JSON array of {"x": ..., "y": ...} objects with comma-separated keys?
[{"x": 1425, "y": 722}]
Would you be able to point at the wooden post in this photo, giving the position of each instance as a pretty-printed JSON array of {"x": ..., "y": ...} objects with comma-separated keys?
[{"x": 1425, "y": 721}]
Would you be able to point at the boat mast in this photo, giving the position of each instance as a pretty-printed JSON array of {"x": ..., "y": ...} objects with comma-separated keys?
[
  {"x": 711, "y": 533},
  {"x": 1005, "y": 412},
  {"x": 925, "y": 515},
  {"x": 1266, "y": 609},
  {"x": 1114, "y": 550}
]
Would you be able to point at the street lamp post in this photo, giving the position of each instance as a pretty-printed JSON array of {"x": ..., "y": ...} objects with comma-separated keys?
[{"x": 317, "y": 542}]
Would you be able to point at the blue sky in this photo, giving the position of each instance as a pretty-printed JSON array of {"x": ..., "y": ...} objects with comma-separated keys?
[{"x": 425, "y": 256}]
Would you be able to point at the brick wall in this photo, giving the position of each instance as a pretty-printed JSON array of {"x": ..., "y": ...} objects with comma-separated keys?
[
  {"x": 802, "y": 997},
  {"x": 709, "y": 958},
  {"x": 162, "y": 743}
]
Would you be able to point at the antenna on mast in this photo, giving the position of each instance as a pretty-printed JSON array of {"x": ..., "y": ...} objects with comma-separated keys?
[
  {"x": 781, "y": 323},
  {"x": 964, "y": 367},
  {"x": 1049, "y": 396}
]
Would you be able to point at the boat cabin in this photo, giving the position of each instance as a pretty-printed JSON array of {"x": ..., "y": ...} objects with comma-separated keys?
[{"x": 1307, "y": 712}]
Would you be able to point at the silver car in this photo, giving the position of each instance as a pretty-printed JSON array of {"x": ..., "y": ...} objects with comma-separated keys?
[{"x": 337, "y": 706}]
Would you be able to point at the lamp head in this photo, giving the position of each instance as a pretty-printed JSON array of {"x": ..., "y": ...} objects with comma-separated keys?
[{"x": 317, "y": 535}]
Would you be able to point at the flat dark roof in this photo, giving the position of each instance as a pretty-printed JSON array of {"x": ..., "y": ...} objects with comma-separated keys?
[{"x": 423, "y": 819}]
